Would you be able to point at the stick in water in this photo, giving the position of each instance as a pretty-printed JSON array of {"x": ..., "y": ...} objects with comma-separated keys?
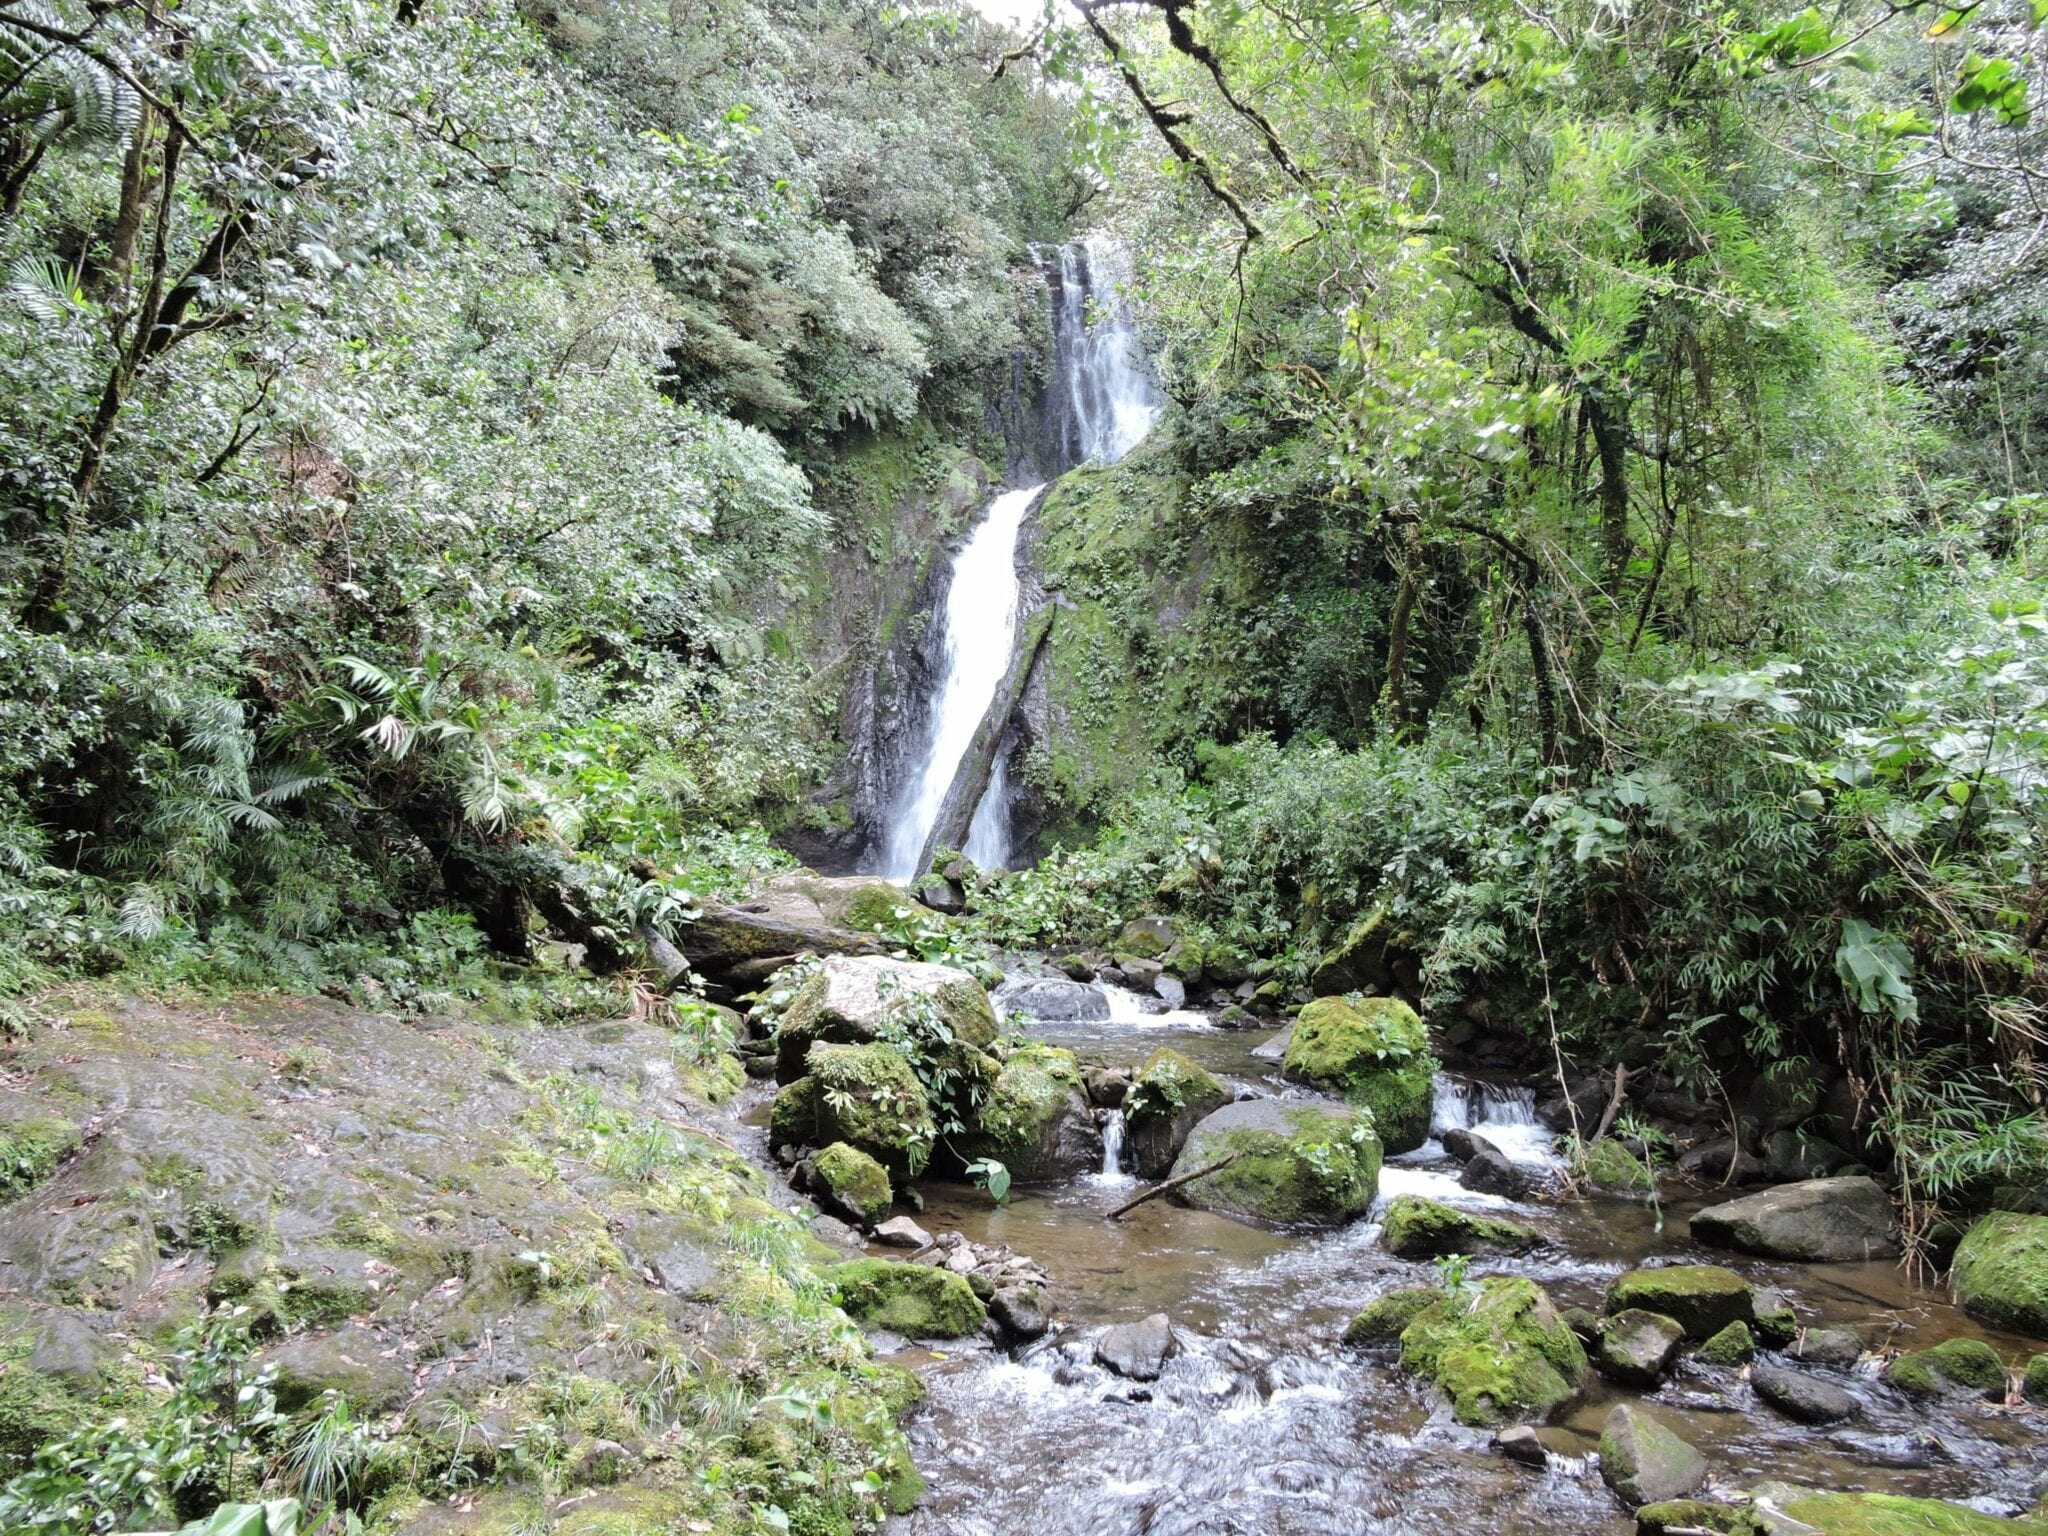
[{"x": 1171, "y": 1184}]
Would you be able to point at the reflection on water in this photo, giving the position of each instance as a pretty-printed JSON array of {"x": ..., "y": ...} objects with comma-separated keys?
[{"x": 1264, "y": 1424}]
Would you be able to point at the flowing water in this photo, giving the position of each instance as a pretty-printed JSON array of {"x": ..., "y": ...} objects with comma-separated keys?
[
  {"x": 1265, "y": 1425},
  {"x": 1109, "y": 402}
]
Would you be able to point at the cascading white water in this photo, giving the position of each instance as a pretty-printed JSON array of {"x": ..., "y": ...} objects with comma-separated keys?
[
  {"x": 1110, "y": 399},
  {"x": 981, "y": 628},
  {"x": 1112, "y": 1145}
]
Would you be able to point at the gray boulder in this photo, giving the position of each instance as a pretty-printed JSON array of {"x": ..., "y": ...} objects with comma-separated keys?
[
  {"x": 1817, "y": 1221},
  {"x": 1841, "y": 1347},
  {"x": 1058, "y": 1001},
  {"x": 1799, "y": 1396},
  {"x": 1138, "y": 1351},
  {"x": 1636, "y": 1348},
  {"x": 1490, "y": 1173},
  {"x": 1644, "y": 1462},
  {"x": 1465, "y": 1145}
]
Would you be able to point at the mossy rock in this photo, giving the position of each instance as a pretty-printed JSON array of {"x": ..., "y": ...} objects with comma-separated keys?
[
  {"x": 1669, "y": 1515},
  {"x": 1384, "y": 1318},
  {"x": 1702, "y": 1298},
  {"x": 1168, "y": 1098},
  {"x": 1644, "y": 1461},
  {"x": 2034, "y": 1384},
  {"x": 1374, "y": 1051},
  {"x": 1609, "y": 1166},
  {"x": 853, "y": 1181},
  {"x": 919, "y": 1301},
  {"x": 34, "y": 1410},
  {"x": 2001, "y": 1272},
  {"x": 865, "y": 999},
  {"x": 1426, "y": 1229},
  {"x": 1146, "y": 937},
  {"x": 1884, "y": 1514},
  {"x": 1293, "y": 1162},
  {"x": 874, "y": 907},
  {"x": 864, "y": 1095},
  {"x": 1366, "y": 957},
  {"x": 1499, "y": 1351},
  {"x": 1953, "y": 1367},
  {"x": 1035, "y": 1121},
  {"x": 31, "y": 1147},
  {"x": 1733, "y": 1345},
  {"x": 1777, "y": 1324}
]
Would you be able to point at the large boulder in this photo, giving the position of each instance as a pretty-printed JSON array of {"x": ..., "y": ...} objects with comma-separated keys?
[
  {"x": 1818, "y": 1221},
  {"x": 1500, "y": 1351},
  {"x": 1702, "y": 1298},
  {"x": 1149, "y": 938},
  {"x": 1636, "y": 1348},
  {"x": 1375, "y": 1052},
  {"x": 1168, "y": 1098},
  {"x": 1644, "y": 1462},
  {"x": 864, "y": 1095},
  {"x": 919, "y": 1301},
  {"x": 2001, "y": 1272},
  {"x": 1372, "y": 956},
  {"x": 1138, "y": 1351},
  {"x": 1293, "y": 1162},
  {"x": 1799, "y": 1396},
  {"x": 860, "y": 999},
  {"x": 1055, "y": 999},
  {"x": 794, "y": 914},
  {"x": 1035, "y": 1121},
  {"x": 1416, "y": 1228}
]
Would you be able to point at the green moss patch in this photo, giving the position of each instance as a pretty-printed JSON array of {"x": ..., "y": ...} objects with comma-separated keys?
[
  {"x": 918, "y": 1301},
  {"x": 1425, "y": 1229},
  {"x": 2001, "y": 1271},
  {"x": 1291, "y": 1163},
  {"x": 855, "y": 1181},
  {"x": 1373, "y": 1050},
  {"x": 1883, "y": 1514},
  {"x": 1968, "y": 1366},
  {"x": 1608, "y": 1165},
  {"x": 864, "y": 1095},
  {"x": 1703, "y": 1298},
  {"x": 1384, "y": 1318},
  {"x": 1733, "y": 1345},
  {"x": 1499, "y": 1351}
]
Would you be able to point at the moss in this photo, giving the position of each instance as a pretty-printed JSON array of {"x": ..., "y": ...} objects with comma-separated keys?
[
  {"x": 873, "y": 908},
  {"x": 30, "y": 1150},
  {"x": 1776, "y": 1323},
  {"x": 1733, "y": 1345},
  {"x": 1966, "y": 1365},
  {"x": 1375, "y": 1051},
  {"x": 864, "y": 1095},
  {"x": 2034, "y": 1384},
  {"x": 1017, "y": 1124},
  {"x": 1608, "y": 1165},
  {"x": 1703, "y": 1298},
  {"x": 1883, "y": 1514},
  {"x": 1499, "y": 1352},
  {"x": 1169, "y": 1094},
  {"x": 855, "y": 1180},
  {"x": 1696, "y": 1515},
  {"x": 919, "y": 1301},
  {"x": 1425, "y": 1229},
  {"x": 2001, "y": 1271},
  {"x": 1384, "y": 1317},
  {"x": 34, "y": 1409}
]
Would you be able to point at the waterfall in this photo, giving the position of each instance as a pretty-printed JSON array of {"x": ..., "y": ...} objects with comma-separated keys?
[
  {"x": 1112, "y": 1144},
  {"x": 1101, "y": 402},
  {"x": 981, "y": 628},
  {"x": 1109, "y": 403}
]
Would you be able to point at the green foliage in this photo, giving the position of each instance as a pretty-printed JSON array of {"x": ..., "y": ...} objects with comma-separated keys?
[{"x": 987, "y": 1173}]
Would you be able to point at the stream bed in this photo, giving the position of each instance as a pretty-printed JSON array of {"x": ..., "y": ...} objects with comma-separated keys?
[{"x": 1264, "y": 1423}]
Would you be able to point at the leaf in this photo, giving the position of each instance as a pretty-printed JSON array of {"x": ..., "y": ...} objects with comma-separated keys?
[{"x": 1875, "y": 968}]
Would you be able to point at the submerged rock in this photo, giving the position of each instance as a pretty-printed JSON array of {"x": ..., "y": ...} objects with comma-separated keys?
[
  {"x": 1499, "y": 1351},
  {"x": 1645, "y": 1462},
  {"x": 1374, "y": 1051},
  {"x": 1954, "y": 1367},
  {"x": 1820, "y": 1220},
  {"x": 1490, "y": 1173},
  {"x": 1036, "y": 1120},
  {"x": 1293, "y": 1162},
  {"x": 1168, "y": 1098},
  {"x": 2001, "y": 1272},
  {"x": 1425, "y": 1229},
  {"x": 1636, "y": 1348},
  {"x": 1463, "y": 1145},
  {"x": 1800, "y": 1396},
  {"x": 919, "y": 1301},
  {"x": 1702, "y": 1298},
  {"x": 1138, "y": 1351}
]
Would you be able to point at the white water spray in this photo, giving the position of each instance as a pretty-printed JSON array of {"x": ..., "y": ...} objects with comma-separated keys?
[
  {"x": 981, "y": 628},
  {"x": 1110, "y": 399}
]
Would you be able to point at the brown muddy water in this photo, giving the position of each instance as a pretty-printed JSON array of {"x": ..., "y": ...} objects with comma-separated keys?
[{"x": 1264, "y": 1425}]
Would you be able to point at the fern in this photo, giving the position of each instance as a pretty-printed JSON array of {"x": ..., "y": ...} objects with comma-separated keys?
[{"x": 65, "y": 96}]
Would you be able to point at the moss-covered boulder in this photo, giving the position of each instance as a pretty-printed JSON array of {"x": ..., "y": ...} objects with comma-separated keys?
[
  {"x": 1385, "y": 1318},
  {"x": 1371, "y": 956},
  {"x": 918, "y": 1301},
  {"x": 852, "y": 1182},
  {"x": 1036, "y": 1121},
  {"x": 1671, "y": 1515},
  {"x": 1426, "y": 1229},
  {"x": 1146, "y": 937},
  {"x": 1636, "y": 1348},
  {"x": 1292, "y": 1162},
  {"x": 864, "y": 1095},
  {"x": 1733, "y": 1345},
  {"x": 1168, "y": 1098},
  {"x": 1885, "y": 1514},
  {"x": 2034, "y": 1383},
  {"x": 32, "y": 1144},
  {"x": 1612, "y": 1168},
  {"x": 1375, "y": 1052},
  {"x": 1702, "y": 1298},
  {"x": 862, "y": 999},
  {"x": 1499, "y": 1351},
  {"x": 1952, "y": 1368},
  {"x": 2001, "y": 1272},
  {"x": 1644, "y": 1461}
]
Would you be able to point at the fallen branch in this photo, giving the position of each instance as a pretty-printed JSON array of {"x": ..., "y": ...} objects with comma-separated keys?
[{"x": 1172, "y": 1184}]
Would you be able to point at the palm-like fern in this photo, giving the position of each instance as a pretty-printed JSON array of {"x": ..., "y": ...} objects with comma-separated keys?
[
  {"x": 399, "y": 713},
  {"x": 59, "y": 93}
]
